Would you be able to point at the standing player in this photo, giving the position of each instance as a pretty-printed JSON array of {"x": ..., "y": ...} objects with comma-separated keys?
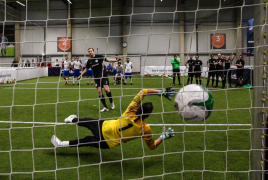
[
  {"x": 3, "y": 41},
  {"x": 119, "y": 69},
  {"x": 66, "y": 65},
  {"x": 115, "y": 64},
  {"x": 219, "y": 69},
  {"x": 211, "y": 72},
  {"x": 190, "y": 63},
  {"x": 176, "y": 68},
  {"x": 197, "y": 69},
  {"x": 76, "y": 68},
  {"x": 111, "y": 133},
  {"x": 240, "y": 71},
  {"x": 128, "y": 70},
  {"x": 100, "y": 75},
  {"x": 227, "y": 73}
]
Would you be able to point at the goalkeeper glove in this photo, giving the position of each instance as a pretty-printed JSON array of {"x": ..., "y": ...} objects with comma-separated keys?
[
  {"x": 167, "y": 134},
  {"x": 167, "y": 92}
]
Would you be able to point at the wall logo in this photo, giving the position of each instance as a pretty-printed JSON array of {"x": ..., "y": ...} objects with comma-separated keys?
[
  {"x": 64, "y": 44},
  {"x": 218, "y": 41}
]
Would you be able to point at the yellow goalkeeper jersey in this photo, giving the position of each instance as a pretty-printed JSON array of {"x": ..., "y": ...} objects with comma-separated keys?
[{"x": 125, "y": 128}]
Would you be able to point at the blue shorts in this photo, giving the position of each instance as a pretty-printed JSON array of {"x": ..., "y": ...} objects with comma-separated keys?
[
  {"x": 66, "y": 73},
  {"x": 76, "y": 72},
  {"x": 114, "y": 71},
  {"x": 128, "y": 75},
  {"x": 89, "y": 73}
]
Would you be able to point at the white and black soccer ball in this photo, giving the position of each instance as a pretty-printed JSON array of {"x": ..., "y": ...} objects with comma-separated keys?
[{"x": 194, "y": 103}]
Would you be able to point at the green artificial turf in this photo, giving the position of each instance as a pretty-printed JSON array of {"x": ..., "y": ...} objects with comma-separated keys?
[{"x": 211, "y": 152}]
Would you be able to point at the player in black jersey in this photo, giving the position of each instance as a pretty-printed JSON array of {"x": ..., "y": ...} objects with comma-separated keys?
[
  {"x": 226, "y": 72},
  {"x": 100, "y": 75},
  {"x": 219, "y": 69},
  {"x": 197, "y": 69},
  {"x": 240, "y": 71},
  {"x": 211, "y": 66},
  {"x": 190, "y": 69}
]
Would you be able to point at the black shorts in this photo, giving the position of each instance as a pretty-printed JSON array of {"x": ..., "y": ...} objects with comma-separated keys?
[
  {"x": 239, "y": 73},
  {"x": 102, "y": 81},
  {"x": 211, "y": 73},
  {"x": 197, "y": 74},
  {"x": 219, "y": 72},
  {"x": 95, "y": 126},
  {"x": 227, "y": 72},
  {"x": 191, "y": 74},
  {"x": 176, "y": 71}
]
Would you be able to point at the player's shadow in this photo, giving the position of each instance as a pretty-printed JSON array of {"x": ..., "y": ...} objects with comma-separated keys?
[{"x": 87, "y": 154}]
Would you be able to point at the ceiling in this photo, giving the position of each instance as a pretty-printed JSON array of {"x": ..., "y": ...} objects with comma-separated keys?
[{"x": 140, "y": 11}]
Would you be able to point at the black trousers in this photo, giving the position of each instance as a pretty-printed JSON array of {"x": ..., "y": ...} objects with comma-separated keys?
[{"x": 95, "y": 126}]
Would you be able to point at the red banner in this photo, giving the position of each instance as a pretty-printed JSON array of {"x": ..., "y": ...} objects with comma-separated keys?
[
  {"x": 218, "y": 41},
  {"x": 64, "y": 44}
]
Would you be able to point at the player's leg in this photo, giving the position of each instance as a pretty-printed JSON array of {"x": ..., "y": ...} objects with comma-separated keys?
[
  {"x": 115, "y": 77},
  {"x": 196, "y": 78},
  {"x": 174, "y": 76},
  {"x": 99, "y": 88},
  {"x": 217, "y": 78},
  {"x": 179, "y": 76},
  {"x": 130, "y": 78},
  {"x": 223, "y": 79},
  {"x": 91, "y": 74},
  {"x": 108, "y": 92},
  {"x": 229, "y": 74},
  {"x": 200, "y": 81},
  {"x": 209, "y": 74},
  {"x": 64, "y": 74}
]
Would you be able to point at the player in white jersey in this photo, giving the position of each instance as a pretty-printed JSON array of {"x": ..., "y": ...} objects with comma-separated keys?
[
  {"x": 128, "y": 71},
  {"x": 76, "y": 66},
  {"x": 89, "y": 73},
  {"x": 115, "y": 64},
  {"x": 119, "y": 73},
  {"x": 66, "y": 65}
]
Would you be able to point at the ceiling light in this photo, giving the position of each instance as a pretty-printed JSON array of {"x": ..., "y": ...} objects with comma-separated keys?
[
  {"x": 69, "y": 1},
  {"x": 20, "y": 3}
]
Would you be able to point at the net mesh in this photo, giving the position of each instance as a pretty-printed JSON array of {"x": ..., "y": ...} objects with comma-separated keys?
[{"x": 33, "y": 110}]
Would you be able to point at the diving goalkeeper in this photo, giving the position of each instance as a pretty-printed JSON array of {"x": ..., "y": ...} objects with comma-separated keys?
[{"x": 111, "y": 133}]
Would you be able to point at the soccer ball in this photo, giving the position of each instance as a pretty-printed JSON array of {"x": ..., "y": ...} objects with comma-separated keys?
[{"x": 194, "y": 103}]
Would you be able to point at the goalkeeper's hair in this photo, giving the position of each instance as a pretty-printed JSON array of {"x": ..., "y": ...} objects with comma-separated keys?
[{"x": 145, "y": 110}]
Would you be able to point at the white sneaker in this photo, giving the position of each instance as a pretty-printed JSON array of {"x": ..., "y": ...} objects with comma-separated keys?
[
  {"x": 112, "y": 105},
  {"x": 104, "y": 109},
  {"x": 70, "y": 119},
  {"x": 55, "y": 141}
]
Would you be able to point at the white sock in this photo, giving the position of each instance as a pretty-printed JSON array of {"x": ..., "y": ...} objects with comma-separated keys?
[
  {"x": 130, "y": 80},
  {"x": 64, "y": 143},
  {"x": 73, "y": 80},
  {"x": 91, "y": 80},
  {"x": 88, "y": 80}
]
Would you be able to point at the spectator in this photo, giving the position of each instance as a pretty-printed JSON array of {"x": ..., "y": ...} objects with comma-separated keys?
[
  {"x": 3, "y": 41},
  {"x": 49, "y": 64},
  {"x": 109, "y": 69},
  {"x": 41, "y": 64},
  {"x": 57, "y": 64},
  {"x": 33, "y": 63},
  {"x": 14, "y": 63},
  {"x": 176, "y": 68},
  {"x": 27, "y": 64},
  {"x": 22, "y": 64}
]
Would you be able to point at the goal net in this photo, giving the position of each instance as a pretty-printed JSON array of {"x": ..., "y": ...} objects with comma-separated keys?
[{"x": 36, "y": 99}]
